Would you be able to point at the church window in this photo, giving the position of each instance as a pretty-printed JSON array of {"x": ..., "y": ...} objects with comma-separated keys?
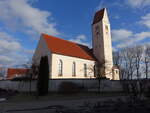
[
  {"x": 116, "y": 71},
  {"x": 85, "y": 70},
  {"x": 74, "y": 69},
  {"x": 106, "y": 27},
  {"x": 60, "y": 68}
]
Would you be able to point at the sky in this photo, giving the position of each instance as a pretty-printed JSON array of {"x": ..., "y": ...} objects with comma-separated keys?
[{"x": 23, "y": 21}]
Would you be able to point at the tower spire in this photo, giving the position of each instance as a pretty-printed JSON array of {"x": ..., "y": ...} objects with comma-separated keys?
[
  {"x": 102, "y": 48},
  {"x": 98, "y": 16}
]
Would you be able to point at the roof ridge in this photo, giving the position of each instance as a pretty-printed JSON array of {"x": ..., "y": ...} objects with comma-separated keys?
[
  {"x": 63, "y": 39},
  {"x": 68, "y": 48}
]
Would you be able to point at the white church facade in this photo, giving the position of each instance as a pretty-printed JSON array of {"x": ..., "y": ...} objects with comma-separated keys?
[{"x": 70, "y": 60}]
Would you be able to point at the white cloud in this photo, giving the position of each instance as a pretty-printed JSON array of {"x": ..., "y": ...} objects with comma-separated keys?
[
  {"x": 145, "y": 20},
  {"x": 11, "y": 51},
  {"x": 121, "y": 34},
  {"x": 116, "y": 16},
  {"x": 125, "y": 38},
  {"x": 80, "y": 39},
  {"x": 8, "y": 44},
  {"x": 5, "y": 60},
  {"x": 142, "y": 35},
  {"x": 5, "y": 36},
  {"x": 20, "y": 15},
  {"x": 138, "y": 3}
]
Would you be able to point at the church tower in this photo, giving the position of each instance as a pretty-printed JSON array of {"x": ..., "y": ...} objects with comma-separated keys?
[{"x": 102, "y": 47}]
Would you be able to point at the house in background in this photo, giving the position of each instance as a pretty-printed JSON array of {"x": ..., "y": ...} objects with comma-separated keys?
[
  {"x": 16, "y": 72},
  {"x": 72, "y": 60}
]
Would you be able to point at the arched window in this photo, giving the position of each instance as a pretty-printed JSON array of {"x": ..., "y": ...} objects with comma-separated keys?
[
  {"x": 60, "y": 68},
  {"x": 74, "y": 69},
  {"x": 85, "y": 70}
]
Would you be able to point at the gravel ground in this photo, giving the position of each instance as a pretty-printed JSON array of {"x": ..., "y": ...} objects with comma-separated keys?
[
  {"x": 82, "y": 103},
  {"x": 66, "y": 105},
  {"x": 105, "y": 106}
]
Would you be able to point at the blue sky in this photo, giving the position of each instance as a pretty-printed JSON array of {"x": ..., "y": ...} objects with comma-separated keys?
[{"x": 22, "y": 22}]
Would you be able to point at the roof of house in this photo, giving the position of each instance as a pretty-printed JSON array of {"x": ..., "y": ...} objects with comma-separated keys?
[
  {"x": 12, "y": 72},
  {"x": 98, "y": 16},
  {"x": 68, "y": 48}
]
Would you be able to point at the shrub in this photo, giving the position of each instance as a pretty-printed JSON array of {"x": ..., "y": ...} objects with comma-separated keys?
[{"x": 69, "y": 88}]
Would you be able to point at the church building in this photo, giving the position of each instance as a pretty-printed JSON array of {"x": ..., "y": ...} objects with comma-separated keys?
[{"x": 70, "y": 60}]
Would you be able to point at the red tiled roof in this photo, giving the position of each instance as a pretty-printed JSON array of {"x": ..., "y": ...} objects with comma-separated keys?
[
  {"x": 98, "y": 16},
  {"x": 12, "y": 72},
  {"x": 67, "y": 48}
]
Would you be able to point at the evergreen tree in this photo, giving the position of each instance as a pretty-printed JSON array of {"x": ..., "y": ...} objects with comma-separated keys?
[{"x": 43, "y": 77}]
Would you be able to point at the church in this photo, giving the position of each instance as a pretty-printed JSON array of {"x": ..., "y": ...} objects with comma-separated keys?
[{"x": 70, "y": 60}]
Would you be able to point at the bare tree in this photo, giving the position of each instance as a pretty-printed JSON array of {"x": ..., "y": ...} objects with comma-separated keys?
[
  {"x": 135, "y": 63},
  {"x": 138, "y": 53},
  {"x": 128, "y": 62},
  {"x": 117, "y": 58},
  {"x": 146, "y": 60},
  {"x": 100, "y": 71}
]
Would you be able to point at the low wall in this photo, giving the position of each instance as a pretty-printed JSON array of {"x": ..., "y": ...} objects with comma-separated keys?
[
  {"x": 89, "y": 84},
  {"x": 22, "y": 86}
]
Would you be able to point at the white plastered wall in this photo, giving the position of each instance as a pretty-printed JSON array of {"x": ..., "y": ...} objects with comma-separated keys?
[
  {"x": 67, "y": 67},
  {"x": 107, "y": 40},
  {"x": 42, "y": 50},
  {"x": 116, "y": 74}
]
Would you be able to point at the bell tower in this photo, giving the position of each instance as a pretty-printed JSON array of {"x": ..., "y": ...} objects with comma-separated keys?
[{"x": 102, "y": 47}]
